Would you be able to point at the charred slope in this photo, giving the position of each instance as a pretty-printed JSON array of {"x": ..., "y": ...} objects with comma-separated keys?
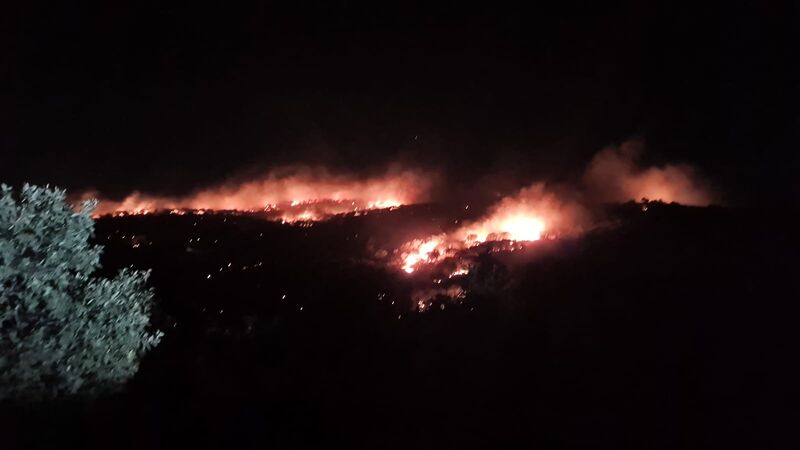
[{"x": 672, "y": 329}]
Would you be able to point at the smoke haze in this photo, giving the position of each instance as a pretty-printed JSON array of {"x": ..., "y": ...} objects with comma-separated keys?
[
  {"x": 290, "y": 186},
  {"x": 614, "y": 176}
]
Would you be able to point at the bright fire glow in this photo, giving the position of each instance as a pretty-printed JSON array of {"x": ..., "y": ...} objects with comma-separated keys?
[
  {"x": 523, "y": 228},
  {"x": 516, "y": 227},
  {"x": 530, "y": 215}
]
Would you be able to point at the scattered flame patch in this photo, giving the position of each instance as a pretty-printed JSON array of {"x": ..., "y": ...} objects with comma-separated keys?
[
  {"x": 423, "y": 300},
  {"x": 422, "y": 251}
]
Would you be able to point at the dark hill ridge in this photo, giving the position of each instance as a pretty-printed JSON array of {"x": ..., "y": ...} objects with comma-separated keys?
[{"x": 674, "y": 328}]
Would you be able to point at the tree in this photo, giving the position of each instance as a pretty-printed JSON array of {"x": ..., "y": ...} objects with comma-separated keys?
[{"x": 62, "y": 330}]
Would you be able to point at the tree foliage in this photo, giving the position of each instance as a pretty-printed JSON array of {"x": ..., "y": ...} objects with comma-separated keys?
[{"x": 63, "y": 331}]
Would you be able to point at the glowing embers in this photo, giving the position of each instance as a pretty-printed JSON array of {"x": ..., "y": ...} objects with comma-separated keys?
[
  {"x": 130, "y": 212},
  {"x": 424, "y": 299},
  {"x": 298, "y": 211},
  {"x": 288, "y": 212}
]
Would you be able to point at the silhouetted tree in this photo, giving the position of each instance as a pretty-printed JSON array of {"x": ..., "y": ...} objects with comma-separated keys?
[{"x": 63, "y": 331}]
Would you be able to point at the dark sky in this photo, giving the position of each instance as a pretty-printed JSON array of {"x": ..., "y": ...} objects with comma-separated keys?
[{"x": 168, "y": 98}]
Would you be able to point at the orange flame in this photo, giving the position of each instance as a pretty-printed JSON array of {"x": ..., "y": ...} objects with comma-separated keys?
[
  {"x": 530, "y": 215},
  {"x": 420, "y": 251}
]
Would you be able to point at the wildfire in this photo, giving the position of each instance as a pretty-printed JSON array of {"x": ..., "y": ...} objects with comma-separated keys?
[
  {"x": 288, "y": 195},
  {"x": 517, "y": 228},
  {"x": 532, "y": 214}
]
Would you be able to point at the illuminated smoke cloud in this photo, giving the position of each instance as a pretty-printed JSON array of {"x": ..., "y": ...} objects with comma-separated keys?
[{"x": 613, "y": 176}]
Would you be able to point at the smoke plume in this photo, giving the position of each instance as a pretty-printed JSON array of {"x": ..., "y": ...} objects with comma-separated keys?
[{"x": 614, "y": 176}]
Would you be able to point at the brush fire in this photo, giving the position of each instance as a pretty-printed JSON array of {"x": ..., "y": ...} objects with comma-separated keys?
[
  {"x": 287, "y": 195},
  {"x": 438, "y": 263}
]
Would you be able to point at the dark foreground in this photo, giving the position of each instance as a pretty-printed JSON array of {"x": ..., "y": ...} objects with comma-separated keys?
[{"x": 675, "y": 329}]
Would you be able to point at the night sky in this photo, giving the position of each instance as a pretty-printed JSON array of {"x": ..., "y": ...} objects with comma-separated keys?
[{"x": 170, "y": 98}]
